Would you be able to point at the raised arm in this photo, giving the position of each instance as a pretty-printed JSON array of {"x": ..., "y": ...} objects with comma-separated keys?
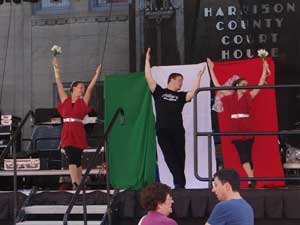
[
  {"x": 262, "y": 80},
  {"x": 88, "y": 92},
  {"x": 61, "y": 92},
  {"x": 196, "y": 85},
  {"x": 148, "y": 76},
  {"x": 214, "y": 78}
]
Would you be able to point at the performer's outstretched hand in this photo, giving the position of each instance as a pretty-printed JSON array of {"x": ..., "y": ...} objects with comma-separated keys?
[
  {"x": 266, "y": 67},
  {"x": 148, "y": 75},
  {"x": 210, "y": 63},
  {"x": 201, "y": 72},
  {"x": 148, "y": 54},
  {"x": 99, "y": 68},
  {"x": 88, "y": 92},
  {"x": 55, "y": 62},
  {"x": 266, "y": 73}
]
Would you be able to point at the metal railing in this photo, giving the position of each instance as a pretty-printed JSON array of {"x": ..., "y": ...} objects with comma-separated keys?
[
  {"x": 81, "y": 186},
  {"x": 210, "y": 135},
  {"x": 4, "y": 153}
]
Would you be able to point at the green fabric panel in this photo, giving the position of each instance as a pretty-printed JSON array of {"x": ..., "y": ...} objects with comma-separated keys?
[{"x": 132, "y": 147}]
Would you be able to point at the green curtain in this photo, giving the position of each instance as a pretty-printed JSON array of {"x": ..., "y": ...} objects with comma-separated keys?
[{"x": 132, "y": 147}]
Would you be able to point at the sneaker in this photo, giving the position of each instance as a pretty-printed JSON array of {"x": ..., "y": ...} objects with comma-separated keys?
[
  {"x": 252, "y": 184},
  {"x": 179, "y": 187},
  {"x": 75, "y": 186}
]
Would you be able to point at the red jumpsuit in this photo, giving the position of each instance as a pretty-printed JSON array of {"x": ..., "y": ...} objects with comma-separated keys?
[
  {"x": 237, "y": 107},
  {"x": 73, "y": 133}
]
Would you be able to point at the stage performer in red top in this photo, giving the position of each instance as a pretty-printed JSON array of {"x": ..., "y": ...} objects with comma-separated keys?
[
  {"x": 239, "y": 102},
  {"x": 73, "y": 109}
]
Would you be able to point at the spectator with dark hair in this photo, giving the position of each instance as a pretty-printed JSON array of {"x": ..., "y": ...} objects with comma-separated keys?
[
  {"x": 232, "y": 208},
  {"x": 157, "y": 199}
]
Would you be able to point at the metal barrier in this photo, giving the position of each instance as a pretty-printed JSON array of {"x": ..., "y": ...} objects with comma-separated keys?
[
  {"x": 81, "y": 186},
  {"x": 4, "y": 153},
  {"x": 211, "y": 134}
]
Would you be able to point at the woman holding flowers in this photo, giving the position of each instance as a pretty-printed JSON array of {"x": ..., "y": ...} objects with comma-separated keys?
[
  {"x": 239, "y": 102},
  {"x": 73, "y": 109}
]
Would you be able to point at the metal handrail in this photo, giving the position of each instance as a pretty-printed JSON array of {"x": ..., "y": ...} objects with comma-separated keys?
[
  {"x": 36, "y": 140},
  {"x": 22, "y": 214},
  {"x": 89, "y": 167},
  {"x": 211, "y": 134},
  {"x": 107, "y": 217},
  {"x": 4, "y": 153},
  {"x": 15, "y": 135}
]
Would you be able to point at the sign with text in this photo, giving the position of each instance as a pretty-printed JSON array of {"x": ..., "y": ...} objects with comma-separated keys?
[
  {"x": 230, "y": 30},
  {"x": 235, "y": 29}
]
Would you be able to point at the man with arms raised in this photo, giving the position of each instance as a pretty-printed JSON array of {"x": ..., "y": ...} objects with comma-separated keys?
[{"x": 169, "y": 103}]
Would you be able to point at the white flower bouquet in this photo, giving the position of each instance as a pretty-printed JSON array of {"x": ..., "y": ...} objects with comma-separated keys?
[
  {"x": 262, "y": 53},
  {"x": 56, "y": 50}
]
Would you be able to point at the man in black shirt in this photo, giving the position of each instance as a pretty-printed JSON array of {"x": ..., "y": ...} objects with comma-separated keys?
[{"x": 170, "y": 132}]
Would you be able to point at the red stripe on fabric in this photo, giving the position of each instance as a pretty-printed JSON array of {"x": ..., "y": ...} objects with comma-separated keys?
[{"x": 265, "y": 152}]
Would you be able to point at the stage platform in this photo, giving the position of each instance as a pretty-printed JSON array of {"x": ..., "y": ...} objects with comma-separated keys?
[
  {"x": 191, "y": 207},
  {"x": 32, "y": 173},
  {"x": 48, "y": 179}
]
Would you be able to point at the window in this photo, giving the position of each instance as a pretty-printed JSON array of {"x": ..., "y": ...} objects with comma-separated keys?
[
  {"x": 104, "y": 4},
  {"x": 158, "y": 4},
  {"x": 111, "y": 1},
  {"x": 52, "y": 5}
]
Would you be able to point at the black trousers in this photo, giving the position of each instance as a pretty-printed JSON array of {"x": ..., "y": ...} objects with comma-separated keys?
[
  {"x": 172, "y": 144},
  {"x": 244, "y": 148}
]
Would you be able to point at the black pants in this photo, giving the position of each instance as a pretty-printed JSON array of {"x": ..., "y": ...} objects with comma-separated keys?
[
  {"x": 244, "y": 148},
  {"x": 73, "y": 155},
  {"x": 172, "y": 144}
]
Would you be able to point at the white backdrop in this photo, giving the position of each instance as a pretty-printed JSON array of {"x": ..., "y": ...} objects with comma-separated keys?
[{"x": 160, "y": 75}]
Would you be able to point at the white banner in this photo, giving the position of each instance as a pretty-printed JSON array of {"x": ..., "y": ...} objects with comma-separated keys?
[{"x": 189, "y": 72}]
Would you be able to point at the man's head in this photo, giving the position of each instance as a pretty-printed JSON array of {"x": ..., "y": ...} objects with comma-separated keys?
[
  {"x": 157, "y": 197},
  {"x": 175, "y": 81},
  {"x": 226, "y": 182}
]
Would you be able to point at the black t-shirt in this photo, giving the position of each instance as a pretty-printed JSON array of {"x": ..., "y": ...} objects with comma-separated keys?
[{"x": 168, "y": 105}]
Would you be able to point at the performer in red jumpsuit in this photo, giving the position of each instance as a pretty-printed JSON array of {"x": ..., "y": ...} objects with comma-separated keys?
[
  {"x": 238, "y": 103},
  {"x": 73, "y": 109}
]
